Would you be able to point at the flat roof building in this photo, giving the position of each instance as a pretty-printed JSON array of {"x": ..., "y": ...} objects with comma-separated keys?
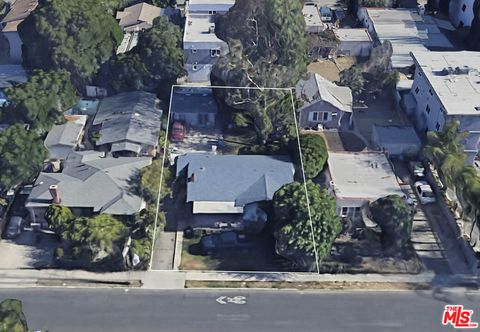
[{"x": 312, "y": 18}]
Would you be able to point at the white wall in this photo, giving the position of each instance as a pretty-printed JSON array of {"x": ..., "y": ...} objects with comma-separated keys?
[{"x": 461, "y": 12}]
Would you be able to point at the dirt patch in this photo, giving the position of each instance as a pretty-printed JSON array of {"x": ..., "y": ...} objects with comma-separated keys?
[{"x": 330, "y": 69}]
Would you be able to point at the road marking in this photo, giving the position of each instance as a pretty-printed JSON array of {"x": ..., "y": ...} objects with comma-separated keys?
[{"x": 233, "y": 300}]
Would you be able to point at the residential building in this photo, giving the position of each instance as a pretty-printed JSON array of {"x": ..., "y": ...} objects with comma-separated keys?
[
  {"x": 138, "y": 17},
  {"x": 10, "y": 75},
  {"x": 354, "y": 42},
  {"x": 356, "y": 179},
  {"x": 128, "y": 124},
  {"x": 194, "y": 107},
  {"x": 63, "y": 139},
  {"x": 88, "y": 182},
  {"x": 461, "y": 12},
  {"x": 445, "y": 88},
  {"x": 19, "y": 10},
  {"x": 227, "y": 184},
  {"x": 396, "y": 140},
  {"x": 323, "y": 103},
  {"x": 406, "y": 29},
  {"x": 209, "y": 7},
  {"x": 313, "y": 21}
]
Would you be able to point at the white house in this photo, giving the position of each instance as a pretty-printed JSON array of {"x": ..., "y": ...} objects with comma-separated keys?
[
  {"x": 195, "y": 107},
  {"x": 461, "y": 12},
  {"x": 313, "y": 22},
  {"x": 63, "y": 139},
  {"x": 357, "y": 179},
  {"x": 446, "y": 87},
  {"x": 354, "y": 42},
  {"x": 19, "y": 10},
  {"x": 209, "y": 7}
]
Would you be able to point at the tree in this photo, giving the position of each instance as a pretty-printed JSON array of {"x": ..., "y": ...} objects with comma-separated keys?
[
  {"x": 59, "y": 217},
  {"x": 41, "y": 101},
  {"x": 12, "y": 318},
  {"x": 150, "y": 181},
  {"x": 395, "y": 218},
  {"x": 353, "y": 78},
  {"x": 314, "y": 154},
  {"x": 77, "y": 36},
  {"x": 21, "y": 155},
  {"x": 293, "y": 227}
]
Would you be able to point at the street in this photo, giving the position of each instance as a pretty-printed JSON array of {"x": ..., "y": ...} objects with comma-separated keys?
[{"x": 109, "y": 310}]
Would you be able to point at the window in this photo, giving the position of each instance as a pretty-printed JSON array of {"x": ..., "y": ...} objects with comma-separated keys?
[
  {"x": 427, "y": 109},
  {"x": 325, "y": 116},
  {"x": 417, "y": 89},
  {"x": 419, "y": 73},
  {"x": 437, "y": 126},
  {"x": 315, "y": 116},
  {"x": 212, "y": 12},
  {"x": 430, "y": 91},
  {"x": 461, "y": 24},
  {"x": 344, "y": 211},
  {"x": 464, "y": 7},
  {"x": 214, "y": 52}
]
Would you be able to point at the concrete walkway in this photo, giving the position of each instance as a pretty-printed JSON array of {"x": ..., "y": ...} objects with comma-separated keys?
[{"x": 164, "y": 251}]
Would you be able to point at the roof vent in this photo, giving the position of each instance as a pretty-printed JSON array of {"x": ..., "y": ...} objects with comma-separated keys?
[{"x": 211, "y": 28}]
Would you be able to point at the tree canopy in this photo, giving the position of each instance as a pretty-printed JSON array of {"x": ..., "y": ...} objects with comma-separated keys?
[
  {"x": 59, "y": 217},
  {"x": 293, "y": 228},
  {"x": 77, "y": 36},
  {"x": 12, "y": 318},
  {"x": 314, "y": 153},
  {"x": 42, "y": 100},
  {"x": 21, "y": 155},
  {"x": 473, "y": 39},
  {"x": 395, "y": 218}
]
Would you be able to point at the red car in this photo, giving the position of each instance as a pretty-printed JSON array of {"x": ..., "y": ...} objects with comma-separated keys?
[{"x": 178, "y": 132}]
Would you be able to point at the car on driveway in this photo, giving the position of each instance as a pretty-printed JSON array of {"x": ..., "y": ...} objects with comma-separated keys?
[
  {"x": 223, "y": 240},
  {"x": 417, "y": 169},
  {"x": 15, "y": 227},
  {"x": 178, "y": 132},
  {"x": 424, "y": 192}
]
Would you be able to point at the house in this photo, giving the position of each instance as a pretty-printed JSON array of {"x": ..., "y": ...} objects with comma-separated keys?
[
  {"x": 446, "y": 88},
  {"x": 312, "y": 18},
  {"x": 396, "y": 140},
  {"x": 406, "y": 29},
  {"x": 227, "y": 184},
  {"x": 354, "y": 42},
  {"x": 128, "y": 124},
  {"x": 323, "y": 103},
  {"x": 195, "y": 107},
  {"x": 209, "y": 7},
  {"x": 138, "y": 17},
  {"x": 356, "y": 179},
  {"x": 201, "y": 47},
  {"x": 88, "y": 182},
  {"x": 19, "y": 10},
  {"x": 10, "y": 75},
  {"x": 461, "y": 12},
  {"x": 64, "y": 138}
]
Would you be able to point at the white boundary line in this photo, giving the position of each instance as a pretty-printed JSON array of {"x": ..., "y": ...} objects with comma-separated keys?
[{"x": 289, "y": 90}]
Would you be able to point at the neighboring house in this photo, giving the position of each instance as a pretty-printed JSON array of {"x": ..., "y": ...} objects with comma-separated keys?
[
  {"x": 64, "y": 138},
  {"x": 354, "y": 42},
  {"x": 209, "y": 7},
  {"x": 227, "y": 184},
  {"x": 357, "y": 179},
  {"x": 445, "y": 88},
  {"x": 323, "y": 103},
  {"x": 85, "y": 106},
  {"x": 19, "y": 10},
  {"x": 128, "y": 124},
  {"x": 88, "y": 182},
  {"x": 406, "y": 29},
  {"x": 396, "y": 140},
  {"x": 10, "y": 75},
  {"x": 195, "y": 107},
  {"x": 313, "y": 22},
  {"x": 461, "y": 12}
]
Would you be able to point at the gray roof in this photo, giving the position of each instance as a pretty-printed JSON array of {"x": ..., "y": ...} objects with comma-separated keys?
[
  {"x": 129, "y": 116},
  {"x": 397, "y": 134},
  {"x": 316, "y": 88},
  {"x": 241, "y": 179},
  {"x": 90, "y": 180},
  {"x": 66, "y": 134},
  {"x": 11, "y": 75},
  {"x": 194, "y": 102}
]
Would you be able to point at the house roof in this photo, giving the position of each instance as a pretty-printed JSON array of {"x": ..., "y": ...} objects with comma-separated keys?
[
  {"x": 196, "y": 100},
  {"x": 66, "y": 134},
  {"x": 396, "y": 134},
  {"x": 90, "y": 180},
  {"x": 362, "y": 175},
  {"x": 11, "y": 75},
  {"x": 139, "y": 16},
  {"x": 353, "y": 35},
  {"x": 198, "y": 30},
  {"x": 316, "y": 88},
  {"x": 311, "y": 15},
  {"x": 19, "y": 10},
  {"x": 454, "y": 78},
  {"x": 129, "y": 116},
  {"x": 241, "y": 179}
]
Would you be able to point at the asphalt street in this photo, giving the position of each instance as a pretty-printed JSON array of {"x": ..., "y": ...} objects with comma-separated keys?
[{"x": 108, "y": 310}]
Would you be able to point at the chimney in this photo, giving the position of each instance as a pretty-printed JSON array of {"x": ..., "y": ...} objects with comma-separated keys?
[{"x": 55, "y": 194}]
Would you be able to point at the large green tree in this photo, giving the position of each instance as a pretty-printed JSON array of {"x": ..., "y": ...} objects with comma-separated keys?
[
  {"x": 21, "y": 155},
  {"x": 77, "y": 36},
  {"x": 12, "y": 318},
  {"x": 314, "y": 154},
  {"x": 59, "y": 217},
  {"x": 395, "y": 218},
  {"x": 293, "y": 226},
  {"x": 42, "y": 100}
]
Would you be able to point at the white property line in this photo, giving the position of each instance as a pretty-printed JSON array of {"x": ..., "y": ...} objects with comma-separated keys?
[{"x": 289, "y": 90}]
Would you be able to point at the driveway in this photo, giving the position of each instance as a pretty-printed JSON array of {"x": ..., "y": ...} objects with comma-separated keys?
[{"x": 195, "y": 141}]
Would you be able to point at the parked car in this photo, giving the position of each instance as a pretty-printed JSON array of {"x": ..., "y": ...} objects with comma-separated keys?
[
  {"x": 417, "y": 169},
  {"x": 15, "y": 227},
  {"x": 178, "y": 132},
  {"x": 424, "y": 192},
  {"x": 326, "y": 14},
  {"x": 411, "y": 200},
  {"x": 223, "y": 240}
]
